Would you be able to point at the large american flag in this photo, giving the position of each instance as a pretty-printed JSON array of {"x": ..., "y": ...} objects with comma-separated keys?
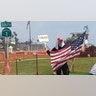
[{"x": 60, "y": 57}]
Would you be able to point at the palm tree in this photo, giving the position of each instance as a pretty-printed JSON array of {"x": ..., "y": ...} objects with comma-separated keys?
[{"x": 16, "y": 40}]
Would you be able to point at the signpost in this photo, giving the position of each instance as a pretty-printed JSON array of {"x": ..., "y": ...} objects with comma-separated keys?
[{"x": 6, "y": 33}]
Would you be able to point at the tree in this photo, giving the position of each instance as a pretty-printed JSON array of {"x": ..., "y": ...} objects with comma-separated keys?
[
  {"x": 68, "y": 40},
  {"x": 16, "y": 40},
  {"x": 90, "y": 51}
]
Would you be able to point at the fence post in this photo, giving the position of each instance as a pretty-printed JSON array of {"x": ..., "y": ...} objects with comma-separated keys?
[
  {"x": 36, "y": 64},
  {"x": 16, "y": 68}
]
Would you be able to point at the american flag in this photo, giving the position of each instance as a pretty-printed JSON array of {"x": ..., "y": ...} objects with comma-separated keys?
[{"x": 60, "y": 57}]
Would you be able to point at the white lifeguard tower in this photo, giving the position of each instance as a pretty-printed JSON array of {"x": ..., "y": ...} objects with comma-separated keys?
[{"x": 10, "y": 49}]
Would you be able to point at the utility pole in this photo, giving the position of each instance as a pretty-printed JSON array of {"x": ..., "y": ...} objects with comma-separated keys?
[
  {"x": 30, "y": 41},
  {"x": 30, "y": 34}
]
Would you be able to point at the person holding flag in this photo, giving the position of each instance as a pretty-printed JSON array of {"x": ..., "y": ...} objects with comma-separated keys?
[
  {"x": 60, "y": 54},
  {"x": 59, "y": 46}
]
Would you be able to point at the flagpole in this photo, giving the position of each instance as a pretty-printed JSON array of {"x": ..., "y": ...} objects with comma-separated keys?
[{"x": 72, "y": 66}]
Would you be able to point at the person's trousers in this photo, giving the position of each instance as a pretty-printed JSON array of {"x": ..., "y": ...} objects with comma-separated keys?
[{"x": 64, "y": 69}]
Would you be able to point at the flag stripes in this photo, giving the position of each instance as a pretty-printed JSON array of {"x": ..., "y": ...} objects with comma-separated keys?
[{"x": 60, "y": 54}]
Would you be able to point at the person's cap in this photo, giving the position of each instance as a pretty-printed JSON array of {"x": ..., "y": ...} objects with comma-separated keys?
[{"x": 60, "y": 39}]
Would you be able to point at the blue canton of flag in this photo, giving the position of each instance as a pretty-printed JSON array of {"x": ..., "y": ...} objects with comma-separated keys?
[{"x": 76, "y": 43}]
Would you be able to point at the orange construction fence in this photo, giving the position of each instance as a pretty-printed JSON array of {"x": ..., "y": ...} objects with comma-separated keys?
[{"x": 21, "y": 55}]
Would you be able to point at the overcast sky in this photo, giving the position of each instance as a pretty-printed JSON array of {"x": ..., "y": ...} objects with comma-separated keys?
[
  {"x": 53, "y": 29},
  {"x": 49, "y": 10}
]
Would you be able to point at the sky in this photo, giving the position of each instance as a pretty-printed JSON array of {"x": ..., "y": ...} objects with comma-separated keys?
[
  {"x": 53, "y": 29},
  {"x": 48, "y": 10},
  {"x": 52, "y": 17}
]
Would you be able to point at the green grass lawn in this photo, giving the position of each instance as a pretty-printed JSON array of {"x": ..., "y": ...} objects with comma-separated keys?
[
  {"x": 82, "y": 66},
  {"x": 28, "y": 67}
]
